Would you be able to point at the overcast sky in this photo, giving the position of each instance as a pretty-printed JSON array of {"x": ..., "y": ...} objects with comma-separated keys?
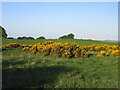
[{"x": 94, "y": 20}]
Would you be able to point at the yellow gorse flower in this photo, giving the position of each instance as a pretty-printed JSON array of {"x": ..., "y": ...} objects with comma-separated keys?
[
  {"x": 66, "y": 49},
  {"x": 103, "y": 53}
]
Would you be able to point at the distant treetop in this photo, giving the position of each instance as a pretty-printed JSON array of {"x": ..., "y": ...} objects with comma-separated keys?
[
  {"x": 24, "y": 37},
  {"x": 3, "y": 32},
  {"x": 69, "y": 36},
  {"x": 41, "y": 37}
]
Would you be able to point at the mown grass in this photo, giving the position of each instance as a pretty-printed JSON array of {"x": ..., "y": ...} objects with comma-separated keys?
[{"x": 21, "y": 69}]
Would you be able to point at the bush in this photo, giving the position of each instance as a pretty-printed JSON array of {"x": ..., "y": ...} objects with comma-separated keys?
[
  {"x": 67, "y": 50},
  {"x": 24, "y": 37},
  {"x": 29, "y": 38},
  {"x": 69, "y": 36},
  {"x": 3, "y": 32},
  {"x": 20, "y": 38},
  {"x": 41, "y": 37},
  {"x": 89, "y": 39},
  {"x": 10, "y": 38}
]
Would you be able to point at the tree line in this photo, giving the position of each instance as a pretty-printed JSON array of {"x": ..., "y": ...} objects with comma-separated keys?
[{"x": 4, "y": 35}]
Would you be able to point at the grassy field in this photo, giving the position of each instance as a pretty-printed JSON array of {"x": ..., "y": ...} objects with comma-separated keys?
[
  {"x": 77, "y": 41},
  {"x": 21, "y": 69}
]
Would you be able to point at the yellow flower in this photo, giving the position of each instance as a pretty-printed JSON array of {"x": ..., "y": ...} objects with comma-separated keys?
[
  {"x": 33, "y": 63},
  {"x": 65, "y": 49},
  {"x": 116, "y": 52},
  {"x": 103, "y": 53},
  {"x": 98, "y": 55}
]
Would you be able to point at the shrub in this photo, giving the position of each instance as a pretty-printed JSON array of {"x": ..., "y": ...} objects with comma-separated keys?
[
  {"x": 10, "y": 38},
  {"x": 24, "y": 37},
  {"x": 3, "y": 32},
  {"x": 41, "y": 37},
  {"x": 29, "y": 38},
  {"x": 50, "y": 48},
  {"x": 69, "y": 36}
]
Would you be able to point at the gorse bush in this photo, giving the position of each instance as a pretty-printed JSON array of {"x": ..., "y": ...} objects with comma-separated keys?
[{"x": 67, "y": 50}]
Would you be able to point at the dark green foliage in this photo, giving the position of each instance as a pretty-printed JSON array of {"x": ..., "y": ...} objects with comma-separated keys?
[
  {"x": 69, "y": 36},
  {"x": 29, "y": 38},
  {"x": 3, "y": 32},
  {"x": 24, "y": 37},
  {"x": 10, "y": 38},
  {"x": 20, "y": 38},
  {"x": 41, "y": 37},
  {"x": 63, "y": 37}
]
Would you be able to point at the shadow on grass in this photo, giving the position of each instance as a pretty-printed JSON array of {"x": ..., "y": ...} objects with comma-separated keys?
[
  {"x": 6, "y": 63},
  {"x": 42, "y": 77}
]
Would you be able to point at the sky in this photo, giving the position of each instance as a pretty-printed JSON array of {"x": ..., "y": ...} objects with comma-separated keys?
[{"x": 86, "y": 20}]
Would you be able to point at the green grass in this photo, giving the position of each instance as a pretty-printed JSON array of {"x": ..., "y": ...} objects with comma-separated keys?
[
  {"x": 21, "y": 69},
  {"x": 77, "y": 41},
  {"x": 54, "y": 72}
]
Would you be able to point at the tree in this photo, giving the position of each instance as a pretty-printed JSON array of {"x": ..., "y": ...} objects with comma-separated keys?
[
  {"x": 63, "y": 37},
  {"x": 41, "y": 37},
  {"x": 3, "y": 32},
  {"x": 24, "y": 37},
  {"x": 10, "y": 38},
  {"x": 69, "y": 36},
  {"x": 29, "y": 38},
  {"x": 20, "y": 38}
]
